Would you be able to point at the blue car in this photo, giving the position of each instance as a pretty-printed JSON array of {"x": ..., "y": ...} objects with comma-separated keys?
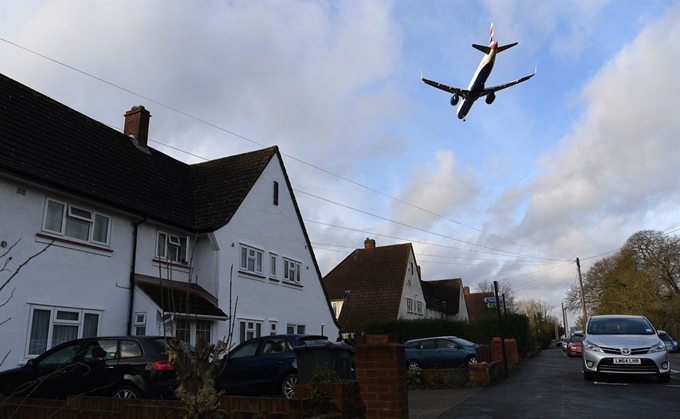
[
  {"x": 440, "y": 352},
  {"x": 266, "y": 365}
]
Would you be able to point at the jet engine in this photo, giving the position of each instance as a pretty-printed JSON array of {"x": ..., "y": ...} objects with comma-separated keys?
[
  {"x": 490, "y": 98},
  {"x": 454, "y": 100}
]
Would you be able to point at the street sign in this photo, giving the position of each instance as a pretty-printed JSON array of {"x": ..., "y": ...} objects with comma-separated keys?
[
  {"x": 490, "y": 299},
  {"x": 491, "y": 305}
]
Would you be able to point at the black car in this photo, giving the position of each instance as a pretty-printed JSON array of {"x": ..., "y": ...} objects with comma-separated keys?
[
  {"x": 264, "y": 366},
  {"x": 121, "y": 366}
]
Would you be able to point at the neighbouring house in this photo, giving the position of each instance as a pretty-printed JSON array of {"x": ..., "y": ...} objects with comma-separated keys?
[
  {"x": 142, "y": 243},
  {"x": 477, "y": 307},
  {"x": 384, "y": 283}
]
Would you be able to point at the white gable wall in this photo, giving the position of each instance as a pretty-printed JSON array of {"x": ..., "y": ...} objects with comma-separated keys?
[
  {"x": 269, "y": 228},
  {"x": 412, "y": 291}
]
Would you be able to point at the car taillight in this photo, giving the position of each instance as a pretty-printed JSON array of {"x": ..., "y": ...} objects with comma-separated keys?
[{"x": 163, "y": 365}]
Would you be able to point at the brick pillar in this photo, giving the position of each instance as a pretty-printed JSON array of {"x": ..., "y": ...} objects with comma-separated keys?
[
  {"x": 381, "y": 373},
  {"x": 510, "y": 351},
  {"x": 479, "y": 374}
]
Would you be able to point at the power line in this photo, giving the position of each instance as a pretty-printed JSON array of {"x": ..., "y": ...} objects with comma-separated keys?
[{"x": 261, "y": 145}]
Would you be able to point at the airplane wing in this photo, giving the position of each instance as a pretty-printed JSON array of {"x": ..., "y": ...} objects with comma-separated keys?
[
  {"x": 505, "y": 85},
  {"x": 453, "y": 90}
]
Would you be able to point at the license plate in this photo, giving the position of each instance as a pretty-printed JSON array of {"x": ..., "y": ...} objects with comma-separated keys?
[{"x": 627, "y": 361}]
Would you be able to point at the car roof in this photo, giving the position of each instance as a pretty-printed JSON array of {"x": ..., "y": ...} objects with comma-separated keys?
[
  {"x": 617, "y": 316},
  {"x": 432, "y": 337}
]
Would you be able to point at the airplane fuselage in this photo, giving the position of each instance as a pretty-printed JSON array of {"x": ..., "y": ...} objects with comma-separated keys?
[{"x": 476, "y": 86}]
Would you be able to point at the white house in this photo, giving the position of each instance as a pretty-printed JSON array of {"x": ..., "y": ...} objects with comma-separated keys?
[
  {"x": 384, "y": 283},
  {"x": 140, "y": 243}
]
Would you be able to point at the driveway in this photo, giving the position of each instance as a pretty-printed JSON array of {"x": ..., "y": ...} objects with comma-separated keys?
[{"x": 552, "y": 386}]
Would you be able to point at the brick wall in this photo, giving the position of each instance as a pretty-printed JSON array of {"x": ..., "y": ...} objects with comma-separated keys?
[
  {"x": 510, "y": 351},
  {"x": 381, "y": 373}
]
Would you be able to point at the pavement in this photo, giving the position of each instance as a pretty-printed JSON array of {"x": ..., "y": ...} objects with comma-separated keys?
[{"x": 430, "y": 404}]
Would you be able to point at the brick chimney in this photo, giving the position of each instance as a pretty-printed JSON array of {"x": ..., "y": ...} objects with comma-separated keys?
[
  {"x": 137, "y": 124},
  {"x": 466, "y": 290},
  {"x": 369, "y": 243}
]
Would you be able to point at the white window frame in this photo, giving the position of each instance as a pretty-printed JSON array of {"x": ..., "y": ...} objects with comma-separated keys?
[
  {"x": 409, "y": 305},
  {"x": 273, "y": 261},
  {"x": 192, "y": 324},
  {"x": 68, "y": 213},
  {"x": 140, "y": 323},
  {"x": 291, "y": 268},
  {"x": 272, "y": 327},
  {"x": 53, "y": 321},
  {"x": 299, "y": 329},
  {"x": 253, "y": 328},
  {"x": 419, "y": 306},
  {"x": 252, "y": 254},
  {"x": 172, "y": 240}
]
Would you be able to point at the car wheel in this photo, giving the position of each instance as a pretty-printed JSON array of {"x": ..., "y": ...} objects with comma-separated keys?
[
  {"x": 665, "y": 378},
  {"x": 127, "y": 392},
  {"x": 588, "y": 376},
  {"x": 470, "y": 360},
  {"x": 288, "y": 386},
  {"x": 413, "y": 365}
]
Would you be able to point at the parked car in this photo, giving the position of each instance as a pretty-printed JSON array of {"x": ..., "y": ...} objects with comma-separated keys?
[
  {"x": 624, "y": 344},
  {"x": 440, "y": 352},
  {"x": 671, "y": 344},
  {"x": 127, "y": 367},
  {"x": 574, "y": 346},
  {"x": 265, "y": 365}
]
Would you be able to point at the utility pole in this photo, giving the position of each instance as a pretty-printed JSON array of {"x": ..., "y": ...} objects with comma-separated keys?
[
  {"x": 566, "y": 326},
  {"x": 583, "y": 298},
  {"x": 500, "y": 327}
]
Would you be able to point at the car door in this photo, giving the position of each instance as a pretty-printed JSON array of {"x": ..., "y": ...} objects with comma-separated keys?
[
  {"x": 427, "y": 352},
  {"x": 274, "y": 355},
  {"x": 236, "y": 376},
  {"x": 54, "y": 374},
  {"x": 100, "y": 366},
  {"x": 450, "y": 354}
]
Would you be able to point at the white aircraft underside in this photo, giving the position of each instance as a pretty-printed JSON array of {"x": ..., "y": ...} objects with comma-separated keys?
[{"x": 477, "y": 88}]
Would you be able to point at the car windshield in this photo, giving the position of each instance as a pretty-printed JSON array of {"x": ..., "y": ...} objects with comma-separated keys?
[
  {"x": 464, "y": 342},
  {"x": 620, "y": 326},
  {"x": 575, "y": 338}
]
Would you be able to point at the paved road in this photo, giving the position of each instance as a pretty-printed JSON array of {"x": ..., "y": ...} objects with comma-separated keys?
[{"x": 552, "y": 386}]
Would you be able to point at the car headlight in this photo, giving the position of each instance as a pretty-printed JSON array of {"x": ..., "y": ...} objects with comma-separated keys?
[
  {"x": 591, "y": 346},
  {"x": 658, "y": 347}
]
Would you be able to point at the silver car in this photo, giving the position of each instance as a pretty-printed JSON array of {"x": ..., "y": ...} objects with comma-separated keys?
[{"x": 624, "y": 344}]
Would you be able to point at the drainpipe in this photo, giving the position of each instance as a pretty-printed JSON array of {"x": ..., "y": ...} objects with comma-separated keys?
[{"x": 133, "y": 268}]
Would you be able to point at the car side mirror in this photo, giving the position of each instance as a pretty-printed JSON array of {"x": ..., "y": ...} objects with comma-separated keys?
[{"x": 30, "y": 363}]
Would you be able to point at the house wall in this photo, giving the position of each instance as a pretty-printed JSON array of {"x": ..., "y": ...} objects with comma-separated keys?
[
  {"x": 263, "y": 298},
  {"x": 412, "y": 291},
  {"x": 67, "y": 275}
]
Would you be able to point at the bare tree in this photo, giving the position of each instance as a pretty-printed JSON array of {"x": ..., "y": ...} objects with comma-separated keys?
[{"x": 6, "y": 269}]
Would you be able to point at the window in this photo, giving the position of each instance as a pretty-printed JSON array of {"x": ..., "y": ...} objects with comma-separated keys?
[
  {"x": 272, "y": 328},
  {"x": 272, "y": 263},
  {"x": 295, "y": 328},
  {"x": 140, "y": 324},
  {"x": 186, "y": 330},
  {"x": 249, "y": 329},
  {"x": 291, "y": 270},
  {"x": 334, "y": 306},
  {"x": 51, "y": 326},
  {"x": 251, "y": 259},
  {"x": 172, "y": 248},
  {"x": 409, "y": 305},
  {"x": 76, "y": 222},
  {"x": 276, "y": 193},
  {"x": 419, "y": 304}
]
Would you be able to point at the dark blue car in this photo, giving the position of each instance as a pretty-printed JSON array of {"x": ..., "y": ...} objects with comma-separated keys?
[
  {"x": 440, "y": 352},
  {"x": 264, "y": 366}
]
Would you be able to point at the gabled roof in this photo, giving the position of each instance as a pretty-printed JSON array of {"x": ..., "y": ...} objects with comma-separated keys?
[
  {"x": 477, "y": 307},
  {"x": 443, "y": 295},
  {"x": 46, "y": 142},
  {"x": 374, "y": 278},
  {"x": 171, "y": 297}
]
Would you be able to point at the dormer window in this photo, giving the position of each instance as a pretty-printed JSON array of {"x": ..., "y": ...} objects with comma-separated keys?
[{"x": 172, "y": 248}]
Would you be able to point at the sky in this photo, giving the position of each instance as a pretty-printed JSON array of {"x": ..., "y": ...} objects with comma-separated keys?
[{"x": 566, "y": 165}]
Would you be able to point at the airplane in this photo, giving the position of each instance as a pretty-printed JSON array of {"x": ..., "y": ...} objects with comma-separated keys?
[{"x": 476, "y": 89}]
